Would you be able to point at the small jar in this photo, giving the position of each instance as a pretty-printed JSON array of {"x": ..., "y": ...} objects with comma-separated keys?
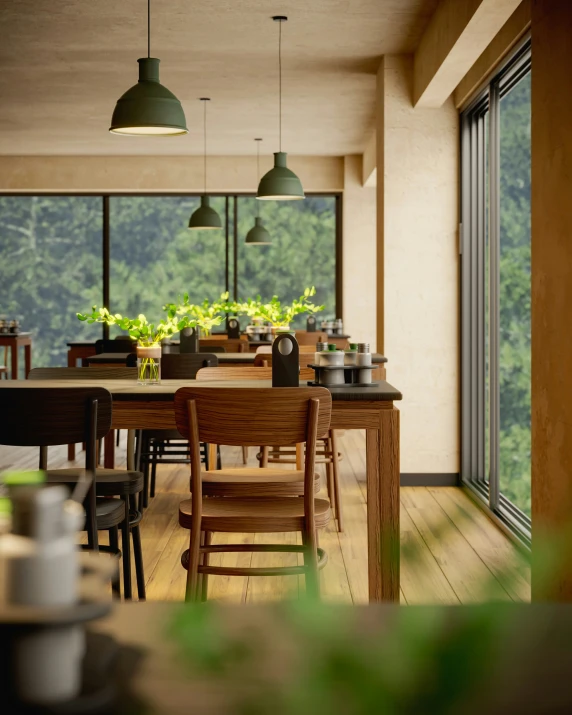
[
  {"x": 338, "y": 326},
  {"x": 149, "y": 365},
  {"x": 364, "y": 358},
  {"x": 320, "y": 348},
  {"x": 332, "y": 358}
]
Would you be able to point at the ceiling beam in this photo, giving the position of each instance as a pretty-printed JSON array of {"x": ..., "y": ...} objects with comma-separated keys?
[
  {"x": 511, "y": 33},
  {"x": 369, "y": 163},
  {"x": 458, "y": 33}
]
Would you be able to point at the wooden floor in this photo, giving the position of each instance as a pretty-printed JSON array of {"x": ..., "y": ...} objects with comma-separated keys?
[{"x": 450, "y": 551}]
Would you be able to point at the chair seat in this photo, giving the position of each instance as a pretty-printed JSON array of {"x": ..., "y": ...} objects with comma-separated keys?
[
  {"x": 255, "y": 482},
  {"x": 108, "y": 482},
  {"x": 258, "y": 515},
  {"x": 109, "y": 513}
]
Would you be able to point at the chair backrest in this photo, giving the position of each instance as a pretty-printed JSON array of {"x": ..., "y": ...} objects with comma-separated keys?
[
  {"x": 119, "y": 345},
  {"x": 83, "y": 373},
  {"x": 305, "y": 338},
  {"x": 263, "y": 360},
  {"x": 252, "y": 416},
  {"x": 264, "y": 349},
  {"x": 241, "y": 372},
  {"x": 212, "y": 349},
  {"x": 184, "y": 366},
  {"x": 46, "y": 416}
]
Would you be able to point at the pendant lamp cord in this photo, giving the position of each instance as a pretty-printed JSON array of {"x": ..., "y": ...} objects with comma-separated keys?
[
  {"x": 205, "y": 145},
  {"x": 280, "y": 85},
  {"x": 257, "y": 174},
  {"x": 148, "y": 28}
]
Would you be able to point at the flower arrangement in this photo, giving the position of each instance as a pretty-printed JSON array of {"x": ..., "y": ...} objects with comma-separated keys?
[
  {"x": 276, "y": 313},
  {"x": 146, "y": 334},
  {"x": 206, "y": 314}
]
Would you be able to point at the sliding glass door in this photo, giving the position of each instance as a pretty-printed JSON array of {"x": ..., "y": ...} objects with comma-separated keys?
[{"x": 496, "y": 327}]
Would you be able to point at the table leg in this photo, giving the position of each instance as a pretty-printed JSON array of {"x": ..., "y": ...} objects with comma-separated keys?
[
  {"x": 382, "y": 466},
  {"x": 14, "y": 362},
  {"x": 27, "y": 359},
  {"x": 109, "y": 447},
  {"x": 71, "y": 452},
  {"x": 212, "y": 456}
]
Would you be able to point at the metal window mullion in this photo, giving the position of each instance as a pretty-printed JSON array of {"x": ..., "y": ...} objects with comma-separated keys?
[
  {"x": 466, "y": 362},
  {"x": 494, "y": 291},
  {"x": 474, "y": 301},
  {"x": 479, "y": 271}
]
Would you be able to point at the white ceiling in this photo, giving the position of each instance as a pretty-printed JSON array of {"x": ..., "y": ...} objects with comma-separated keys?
[{"x": 64, "y": 63}]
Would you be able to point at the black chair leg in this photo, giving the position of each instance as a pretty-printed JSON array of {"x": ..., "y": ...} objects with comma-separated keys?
[
  {"x": 154, "y": 455},
  {"x": 126, "y": 556},
  {"x": 218, "y": 457},
  {"x": 114, "y": 548},
  {"x": 117, "y": 438},
  {"x": 138, "y": 557}
]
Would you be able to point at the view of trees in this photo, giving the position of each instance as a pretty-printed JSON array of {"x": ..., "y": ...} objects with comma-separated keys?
[
  {"x": 515, "y": 325},
  {"x": 51, "y": 258}
]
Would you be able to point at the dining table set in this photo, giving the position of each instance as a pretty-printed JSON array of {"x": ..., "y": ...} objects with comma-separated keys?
[{"x": 136, "y": 407}]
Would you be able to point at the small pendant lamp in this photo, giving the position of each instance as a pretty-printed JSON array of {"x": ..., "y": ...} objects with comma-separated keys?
[
  {"x": 148, "y": 108},
  {"x": 205, "y": 217},
  {"x": 258, "y": 235},
  {"x": 280, "y": 184}
]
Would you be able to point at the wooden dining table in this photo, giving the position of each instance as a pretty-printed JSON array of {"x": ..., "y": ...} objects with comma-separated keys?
[{"x": 365, "y": 408}]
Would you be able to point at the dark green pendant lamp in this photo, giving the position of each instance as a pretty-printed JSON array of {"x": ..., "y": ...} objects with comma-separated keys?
[
  {"x": 205, "y": 217},
  {"x": 258, "y": 235},
  {"x": 280, "y": 183},
  {"x": 148, "y": 108}
]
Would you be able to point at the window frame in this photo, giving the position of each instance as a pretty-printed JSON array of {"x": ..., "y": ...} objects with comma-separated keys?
[{"x": 480, "y": 234}]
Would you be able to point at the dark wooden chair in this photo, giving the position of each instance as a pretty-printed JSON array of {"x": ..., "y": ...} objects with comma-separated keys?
[
  {"x": 48, "y": 416},
  {"x": 124, "y": 484},
  {"x": 252, "y": 417},
  {"x": 168, "y": 446}
]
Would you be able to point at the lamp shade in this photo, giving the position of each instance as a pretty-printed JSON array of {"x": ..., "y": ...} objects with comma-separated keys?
[
  {"x": 205, "y": 217},
  {"x": 258, "y": 235},
  {"x": 280, "y": 184},
  {"x": 148, "y": 108}
]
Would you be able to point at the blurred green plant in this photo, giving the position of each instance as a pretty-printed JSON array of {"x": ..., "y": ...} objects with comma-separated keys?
[{"x": 275, "y": 312}]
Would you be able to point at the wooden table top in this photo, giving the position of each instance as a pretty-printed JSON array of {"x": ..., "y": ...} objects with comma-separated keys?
[
  {"x": 108, "y": 358},
  {"x": 15, "y": 335},
  {"x": 129, "y": 390}
]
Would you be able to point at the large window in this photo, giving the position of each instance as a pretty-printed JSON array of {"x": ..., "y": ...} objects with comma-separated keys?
[
  {"x": 496, "y": 326},
  {"x": 50, "y": 266},
  {"x": 63, "y": 254}
]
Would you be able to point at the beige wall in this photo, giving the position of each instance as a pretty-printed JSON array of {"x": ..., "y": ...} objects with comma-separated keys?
[
  {"x": 157, "y": 173},
  {"x": 417, "y": 244},
  {"x": 359, "y": 249}
]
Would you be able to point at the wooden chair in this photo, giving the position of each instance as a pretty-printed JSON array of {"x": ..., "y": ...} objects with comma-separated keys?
[
  {"x": 124, "y": 484},
  {"x": 233, "y": 372},
  {"x": 327, "y": 452},
  {"x": 168, "y": 446},
  {"x": 303, "y": 337},
  {"x": 252, "y": 416},
  {"x": 47, "y": 416}
]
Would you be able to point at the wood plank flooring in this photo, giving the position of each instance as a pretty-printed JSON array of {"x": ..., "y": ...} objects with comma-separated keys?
[{"x": 451, "y": 551}]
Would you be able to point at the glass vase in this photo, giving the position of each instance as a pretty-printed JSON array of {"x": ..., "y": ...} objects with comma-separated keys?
[{"x": 149, "y": 365}]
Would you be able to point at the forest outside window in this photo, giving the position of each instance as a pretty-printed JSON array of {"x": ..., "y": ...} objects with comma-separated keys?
[
  {"x": 63, "y": 254},
  {"x": 496, "y": 325}
]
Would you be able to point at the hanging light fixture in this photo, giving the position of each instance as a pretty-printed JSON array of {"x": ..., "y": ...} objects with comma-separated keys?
[
  {"x": 258, "y": 235},
  {"x": 205, "y": 217},
  {"x": 280, "y": 184},
  {"x": 148, "y": 108}
]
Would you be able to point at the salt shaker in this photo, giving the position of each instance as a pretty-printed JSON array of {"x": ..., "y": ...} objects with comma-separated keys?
[{"x": 363, "y": 359}]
